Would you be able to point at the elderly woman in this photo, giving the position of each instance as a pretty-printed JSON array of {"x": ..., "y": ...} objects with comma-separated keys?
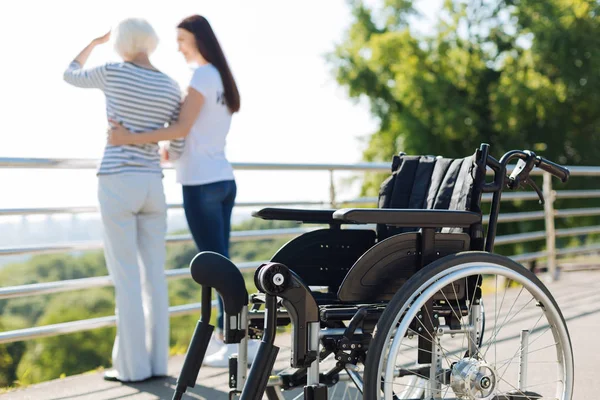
[
  {"x": 206, "y": 176},
  {"x": 131, "y": 197}
]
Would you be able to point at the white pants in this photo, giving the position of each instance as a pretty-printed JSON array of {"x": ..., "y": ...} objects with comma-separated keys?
[{"x": 134, "y": 211}]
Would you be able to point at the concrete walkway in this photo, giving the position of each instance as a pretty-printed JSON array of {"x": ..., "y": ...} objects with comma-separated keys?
[{"x": 577, "y": 293}]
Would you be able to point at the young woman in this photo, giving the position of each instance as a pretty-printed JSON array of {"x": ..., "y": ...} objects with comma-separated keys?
[
  {"x": 131, "y": 198},
  {"x": 209, "y": 188}
]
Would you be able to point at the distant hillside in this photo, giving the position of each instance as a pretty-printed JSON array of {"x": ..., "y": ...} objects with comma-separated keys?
[{"x": 41, "y": 230}]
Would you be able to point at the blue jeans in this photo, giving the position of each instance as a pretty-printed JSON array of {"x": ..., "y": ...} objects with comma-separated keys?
[{"x": 208, "y": 213}]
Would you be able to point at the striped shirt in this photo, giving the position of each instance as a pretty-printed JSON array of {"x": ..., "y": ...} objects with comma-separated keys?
[{"x": 142, "y": 100}]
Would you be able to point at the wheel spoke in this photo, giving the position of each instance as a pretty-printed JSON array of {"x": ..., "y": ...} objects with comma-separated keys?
[{"x": 515, "y": 309}]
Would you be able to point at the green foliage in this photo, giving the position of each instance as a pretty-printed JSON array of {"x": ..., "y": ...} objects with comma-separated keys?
[
  {"x": 43, "y": 359},
  {"x": 48, "y": 358},
  {"x": 55, "y": 267},
  {"x": 517, "y": 74},
  {"x": 11, "y": 353}
]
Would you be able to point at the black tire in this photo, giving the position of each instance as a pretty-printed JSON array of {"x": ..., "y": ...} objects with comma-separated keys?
[{"x": 372, "y": 378}]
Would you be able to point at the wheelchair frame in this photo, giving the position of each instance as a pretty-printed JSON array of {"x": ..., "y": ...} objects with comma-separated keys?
[{"x": 317, "y": 319}]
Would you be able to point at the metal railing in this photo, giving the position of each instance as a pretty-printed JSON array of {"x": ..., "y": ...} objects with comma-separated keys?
[{"x": 549, "y": 214}]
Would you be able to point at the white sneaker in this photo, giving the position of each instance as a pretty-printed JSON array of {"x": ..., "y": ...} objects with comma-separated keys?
[
  {"x": 220, "y": 359},
  {"x": 214, "y": 346}
]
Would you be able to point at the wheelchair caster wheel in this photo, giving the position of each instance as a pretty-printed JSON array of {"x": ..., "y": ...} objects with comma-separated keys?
[{"x": 273, "y": 278}]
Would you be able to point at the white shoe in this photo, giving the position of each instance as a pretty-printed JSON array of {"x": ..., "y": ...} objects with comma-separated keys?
[
  {"x": 220, "y": 359},
  {"x": 213, "y": 346}
]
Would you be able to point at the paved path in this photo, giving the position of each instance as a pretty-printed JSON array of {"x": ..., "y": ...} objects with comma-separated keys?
[{"x": 578, "y": 295}]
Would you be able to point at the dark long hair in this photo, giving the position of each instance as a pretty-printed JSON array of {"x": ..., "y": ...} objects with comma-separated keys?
[{"x": 209, "y": 48}]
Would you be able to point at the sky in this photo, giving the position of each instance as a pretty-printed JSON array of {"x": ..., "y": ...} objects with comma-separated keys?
[{"x": 292, "y": 108}]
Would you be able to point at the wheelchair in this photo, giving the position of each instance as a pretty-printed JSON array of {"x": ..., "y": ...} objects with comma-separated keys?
[{"x": 403, "y": 301}]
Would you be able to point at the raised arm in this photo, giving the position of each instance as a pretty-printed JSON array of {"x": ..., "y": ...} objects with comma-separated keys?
[
  {"x": 190, "y": 109},
  {"x": 90, "y": 78}
]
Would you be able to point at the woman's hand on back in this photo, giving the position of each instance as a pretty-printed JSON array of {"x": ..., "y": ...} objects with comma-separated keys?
[
  {"x": 118, "y": 135},
  {"x": 164, "y": 155}
]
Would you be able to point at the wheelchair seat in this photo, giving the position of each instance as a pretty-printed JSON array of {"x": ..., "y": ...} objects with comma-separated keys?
[{"x": 348, "y": 262}]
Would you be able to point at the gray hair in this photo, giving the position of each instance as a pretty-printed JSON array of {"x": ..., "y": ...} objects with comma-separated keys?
[{"x": 133, "y": 36}]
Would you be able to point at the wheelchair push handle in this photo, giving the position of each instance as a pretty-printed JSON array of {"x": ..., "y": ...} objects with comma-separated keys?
[
  {"x": 558, "y": 171},
  {"x": 528, "y": 160}
]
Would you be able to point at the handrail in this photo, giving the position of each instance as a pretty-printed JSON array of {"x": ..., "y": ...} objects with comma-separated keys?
[
  {"x": 236, "y": 236},
  {"x": 103, "y": 281},
  {"x": 509, "y": 196},
  {"x": 36, "y": 289},
  {"x": 89, "y": 163},
  {"x": 63, "y": 328},
  {"x": 94, "y": 209}
]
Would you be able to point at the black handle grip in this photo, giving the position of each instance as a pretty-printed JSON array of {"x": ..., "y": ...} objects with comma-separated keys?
[{"x": 558, "y": 171}]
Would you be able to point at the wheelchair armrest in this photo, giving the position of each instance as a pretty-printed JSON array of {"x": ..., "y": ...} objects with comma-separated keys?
[
  {"x": 408, "y": 217},
  {"x": 300, "y": 215}
]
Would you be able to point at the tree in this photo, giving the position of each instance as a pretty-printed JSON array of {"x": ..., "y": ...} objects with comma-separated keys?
[
  {"x": 10, "y": 353},
  {"x": 512, "y": 73},
  {"x": 517, "y": 74},
  {"x": 48, "y": 358}
]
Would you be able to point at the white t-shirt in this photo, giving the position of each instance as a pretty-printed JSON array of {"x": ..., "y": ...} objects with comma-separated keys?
[{"x": 203, "y": 159}]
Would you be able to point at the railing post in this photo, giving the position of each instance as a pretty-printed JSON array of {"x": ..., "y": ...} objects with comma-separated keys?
[
  {"x": 332, "y": 201},
  {"x": 549, "y": 214}
]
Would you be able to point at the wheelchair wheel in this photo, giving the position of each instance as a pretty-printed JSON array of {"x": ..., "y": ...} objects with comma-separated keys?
[{"x": 426, "y": 343}]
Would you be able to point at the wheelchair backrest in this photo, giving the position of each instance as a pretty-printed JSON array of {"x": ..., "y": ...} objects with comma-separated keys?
[{"x": 427, "y": 182}]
